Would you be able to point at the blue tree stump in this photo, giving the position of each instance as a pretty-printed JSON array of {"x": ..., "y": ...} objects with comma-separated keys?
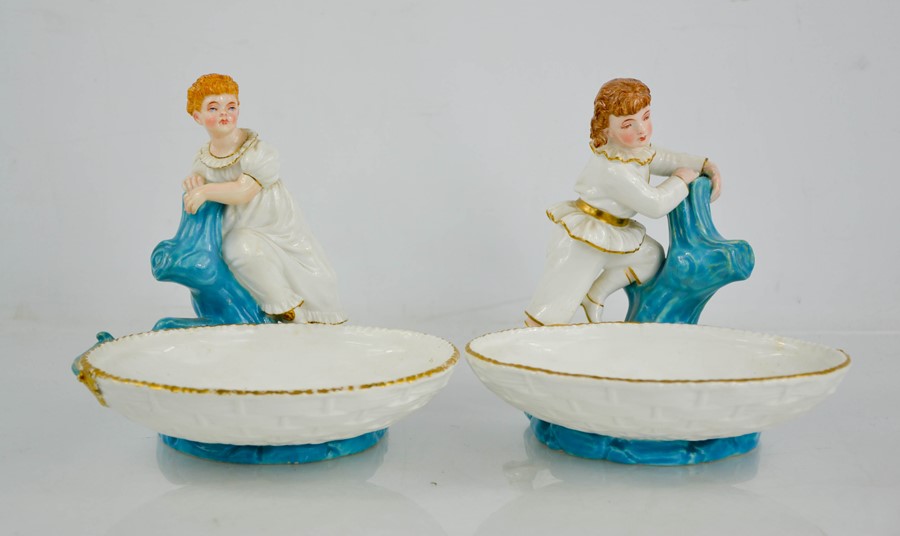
[
  {"x": 193, "y": 258},
  {"x": 699, "y": 262}
]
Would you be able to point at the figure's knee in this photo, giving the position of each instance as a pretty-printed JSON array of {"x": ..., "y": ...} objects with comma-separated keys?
[
  {"x": 650, "y": 254},
  {"x": 646, "y": 261},
  {"x": 239, "y": 246}
]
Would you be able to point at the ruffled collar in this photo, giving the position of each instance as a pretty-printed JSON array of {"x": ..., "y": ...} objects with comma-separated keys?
[
  {"x": 215, "y": 162},
  {"x": 641, "y": 156}
]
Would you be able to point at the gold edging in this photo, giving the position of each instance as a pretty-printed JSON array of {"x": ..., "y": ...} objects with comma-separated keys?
[
  {"x": 632, "y": 276},
  {"x": 254, "y": 180},
  {"x": 87, "y": 375},
  {"x": 100, "y": 373},
  {"x": 573, "y": 237},
  {"x": 234, "y": 152},
  {"x": 252, "y": 138},
  {"x": 611, "y": 158},
  {"x": 592, "y": 300},
  {"x": 533, "y": 319},
  {"x": 541, "y": 324},
  {"x": 601, "y": 215},
  {"x": 529, "y": 368},
  {"x": 344, "y": 321}
]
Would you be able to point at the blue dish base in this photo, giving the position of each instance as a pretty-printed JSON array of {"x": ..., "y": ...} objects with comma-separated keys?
[
  {"x": 638, "y": 451},
  {"x": 271, "y": 454}
]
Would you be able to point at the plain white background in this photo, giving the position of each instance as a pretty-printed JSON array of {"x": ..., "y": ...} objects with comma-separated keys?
[{"x": 423, "y": 142}]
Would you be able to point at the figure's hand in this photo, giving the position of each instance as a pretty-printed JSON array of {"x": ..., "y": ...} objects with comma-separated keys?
[
  {"x": 194, "y": 199},
  {"x": 712, "y": 171},
  {"x": 192, "y": 182},
  {"x": 686, "y": 174}
]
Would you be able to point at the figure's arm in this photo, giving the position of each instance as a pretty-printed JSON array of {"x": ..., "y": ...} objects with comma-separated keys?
[
  {"x": 236, "y": 192},
  {"x": 629, "y": 189},
  {"x": 666, "y": 162}
]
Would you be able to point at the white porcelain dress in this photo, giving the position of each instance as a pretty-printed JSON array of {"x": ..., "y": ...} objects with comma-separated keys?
[
  {"x": 597, "y": 248},
  {"x": 266, "y": 243}
]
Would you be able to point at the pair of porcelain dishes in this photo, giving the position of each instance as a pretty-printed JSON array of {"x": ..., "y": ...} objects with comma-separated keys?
[{"x": 293, "y": 393}]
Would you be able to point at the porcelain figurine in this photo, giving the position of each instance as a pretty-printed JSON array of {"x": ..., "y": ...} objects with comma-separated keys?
[
  {"x": 597, "y": 247},
  {"x": 248, "y": 257},
  {"x": 265, "y": 242}
]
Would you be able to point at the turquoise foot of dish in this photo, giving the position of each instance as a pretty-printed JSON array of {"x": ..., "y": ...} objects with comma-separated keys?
[
  {"x": 637, "y": 451},
  {"x": 270, "y": 454}
]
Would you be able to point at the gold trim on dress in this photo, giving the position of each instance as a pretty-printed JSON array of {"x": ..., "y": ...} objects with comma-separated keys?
[
  {"x": 232, "y": 153},
  {"x": 218, "y": 162},
  {"x": 96, "y": 373},
  {"x": 613, "y": 158},
  {"x": 605, "y": 217},
  {"x": 256, "y": 181},
  {"x": 530, "y": 368},
  {"x": 595, "y": 246}
]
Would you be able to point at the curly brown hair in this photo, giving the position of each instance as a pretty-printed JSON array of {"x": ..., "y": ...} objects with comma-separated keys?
[
  {"x": 206, "y": 85},
  {"x": 619, "y": 96}
]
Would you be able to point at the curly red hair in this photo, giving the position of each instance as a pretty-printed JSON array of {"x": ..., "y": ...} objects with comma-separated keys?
[
  {"x": 619, "y": 96},
  {"x": 206, "y": 85}
]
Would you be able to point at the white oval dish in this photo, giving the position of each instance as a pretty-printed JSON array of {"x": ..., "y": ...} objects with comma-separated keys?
[
  {"x": 656, "y": 381},
  {"x": 275, "y": 384}
]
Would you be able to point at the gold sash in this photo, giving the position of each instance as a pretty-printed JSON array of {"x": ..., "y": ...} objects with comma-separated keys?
[{"x": 600, "y": 215}]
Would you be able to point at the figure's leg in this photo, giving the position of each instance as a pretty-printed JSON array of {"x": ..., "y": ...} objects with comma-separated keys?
[
  {"x": 255, "y": 264},
  {"x": 620, "y": 271},
  {"x": 570, "y": 269}
]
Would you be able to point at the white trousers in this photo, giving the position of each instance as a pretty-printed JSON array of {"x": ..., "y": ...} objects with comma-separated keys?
[{"x": 575, "y": 270}]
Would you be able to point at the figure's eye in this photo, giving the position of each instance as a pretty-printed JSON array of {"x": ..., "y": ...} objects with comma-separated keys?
[{"x": 232, "y": 108}]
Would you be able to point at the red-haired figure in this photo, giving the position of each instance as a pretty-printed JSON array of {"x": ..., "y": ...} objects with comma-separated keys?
[
  {"x": 265, "y": 241},
  {"x": 597, "y": 247}
]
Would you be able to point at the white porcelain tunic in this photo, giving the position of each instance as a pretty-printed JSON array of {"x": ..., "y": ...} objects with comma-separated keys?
[{"x": 266, "y": 243}]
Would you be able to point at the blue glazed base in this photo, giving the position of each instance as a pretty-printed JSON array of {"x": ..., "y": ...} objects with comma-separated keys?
[
  {"x": 636, "y": 451},
  {"x": 271, "y": 455}
]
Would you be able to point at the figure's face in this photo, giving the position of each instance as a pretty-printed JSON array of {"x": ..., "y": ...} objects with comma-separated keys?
[
  {"x": 218, "y": 114},
  {"x": 630, "y": 131}
]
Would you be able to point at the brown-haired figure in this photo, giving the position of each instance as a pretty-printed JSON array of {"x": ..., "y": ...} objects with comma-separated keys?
[
  {"x": 265, "y": 241},
  {"x": 597, "y": 247}
]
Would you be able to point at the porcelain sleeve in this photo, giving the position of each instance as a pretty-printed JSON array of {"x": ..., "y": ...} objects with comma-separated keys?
[{"x": 666, "y": 162}]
